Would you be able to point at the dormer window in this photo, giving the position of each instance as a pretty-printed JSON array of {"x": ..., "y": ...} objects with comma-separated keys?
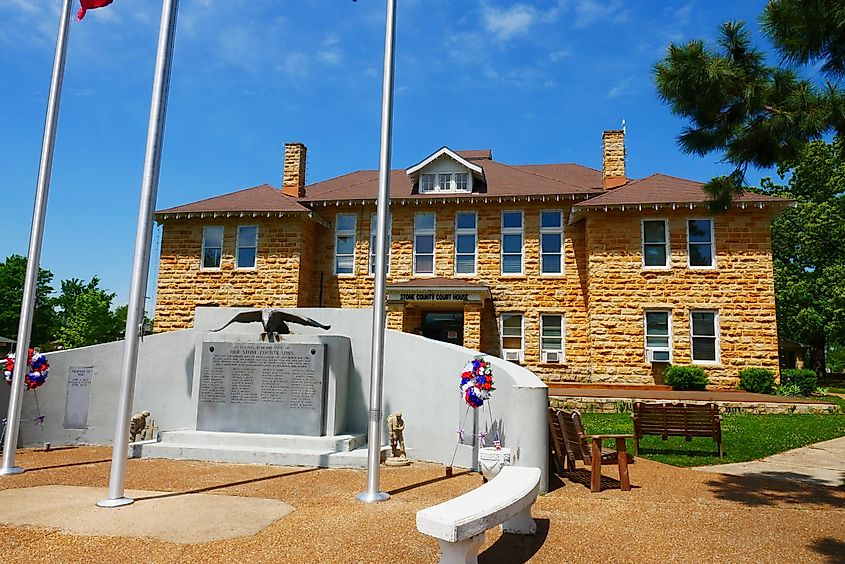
[
  {"x": 444, "y": 182},
  {"x": 445, "y": 172},
  {"x": 462, "y": 182},
  {"x": 427, "y": 182}
]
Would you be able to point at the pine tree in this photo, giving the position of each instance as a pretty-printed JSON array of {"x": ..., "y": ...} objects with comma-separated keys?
[{"x": 756, "y": 114}]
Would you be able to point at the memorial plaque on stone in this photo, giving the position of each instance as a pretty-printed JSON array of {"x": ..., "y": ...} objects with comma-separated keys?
[{"x": 276, "y": 388}]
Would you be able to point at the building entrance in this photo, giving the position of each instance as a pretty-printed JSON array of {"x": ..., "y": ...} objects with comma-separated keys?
[{"x": 447, "y": 326}]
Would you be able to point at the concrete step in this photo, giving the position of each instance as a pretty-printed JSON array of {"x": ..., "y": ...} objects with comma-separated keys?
[
  {"x": 332, "y": 443},
  {"x": 339, "y": 451}
]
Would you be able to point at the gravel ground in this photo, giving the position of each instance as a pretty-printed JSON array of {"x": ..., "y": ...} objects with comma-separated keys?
[{"x": 673, "y": 514}]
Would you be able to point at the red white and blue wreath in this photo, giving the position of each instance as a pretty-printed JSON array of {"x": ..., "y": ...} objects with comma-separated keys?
[
  {"x": 39, "y": 369},
  {"x": 477, "y": 381}
]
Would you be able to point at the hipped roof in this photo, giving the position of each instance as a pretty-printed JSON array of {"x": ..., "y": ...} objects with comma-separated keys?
[
  {"x": 664, "y": 189},
  {"x": 263, "y": 198}
]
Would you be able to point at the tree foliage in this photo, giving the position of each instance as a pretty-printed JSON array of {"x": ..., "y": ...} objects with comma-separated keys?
[
  {"x": 80, "y": 315},
  {"x": 754, "y": 113},
  {"x": 808, "y": 247},
  {"x": 12, "y": 278},
  {"x": 86, "y": 316}
]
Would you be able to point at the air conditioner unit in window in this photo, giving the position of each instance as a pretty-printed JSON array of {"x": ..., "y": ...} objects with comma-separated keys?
[
  {"x": 513, "y": 356},
  {"x": 551, "y": 356},
  {"x": 658, "y": 356}
]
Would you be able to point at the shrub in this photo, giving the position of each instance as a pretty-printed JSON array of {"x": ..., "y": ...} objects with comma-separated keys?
[
  {"x": 757, "y": 380},
  {"x": 789, "y": 390},
  {"x": 805, "y": 379},
  {"x": 685, "y": 378}
]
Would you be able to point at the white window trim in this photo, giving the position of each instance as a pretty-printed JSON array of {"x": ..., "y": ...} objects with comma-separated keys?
[
  {"x": 371, "y": 267},
  {"x": 667, "y": 245},
  {"x": 238, "y": 247},
  {"x": 202, "y": 249},
  {"x": 511, "y": 231},
  {"x": 717, "y": 330},
  {"x": 671, "y": 334},
  {"x": 520, "y": 351},
  {"x": 466, "y": 231},
  {"x": 433, "y": 233},
  {"x": 338, "y": 233},
  {"x": 562, "y": 349},
  {"x": 712, "y": 265},
  {"x": 433, "y": 184},
  {"x": 553, "y": 231}
]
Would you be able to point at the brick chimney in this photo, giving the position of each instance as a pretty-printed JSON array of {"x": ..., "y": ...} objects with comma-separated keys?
[
  {"x": 613, "y": 158},
  {"x": 293, "y": 177}
]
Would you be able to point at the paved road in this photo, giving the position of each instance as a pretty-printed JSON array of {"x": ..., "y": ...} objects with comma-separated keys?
[{"x": 821, "y": 463}]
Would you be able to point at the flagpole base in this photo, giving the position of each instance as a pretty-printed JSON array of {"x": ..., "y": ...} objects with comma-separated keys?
[
  {"x": 11, "y": 471},
  {"x": 368, "y": 497},
  {"x": 119, "y": 502}
]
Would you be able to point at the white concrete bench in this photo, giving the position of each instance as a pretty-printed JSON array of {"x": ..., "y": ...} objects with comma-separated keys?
[{"x": 459, "y": 523}]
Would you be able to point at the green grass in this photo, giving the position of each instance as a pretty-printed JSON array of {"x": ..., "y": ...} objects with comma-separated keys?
[{"x": 745, "y": 437}]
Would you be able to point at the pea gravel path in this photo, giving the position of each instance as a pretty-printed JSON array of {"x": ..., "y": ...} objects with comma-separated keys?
[{"x": 672, "y": 515}]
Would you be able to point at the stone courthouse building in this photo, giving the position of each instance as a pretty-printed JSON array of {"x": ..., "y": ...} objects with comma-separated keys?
[{"x": 579, "y": 274}]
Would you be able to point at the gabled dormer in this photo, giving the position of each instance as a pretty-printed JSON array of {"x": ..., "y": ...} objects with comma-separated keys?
[{"x": 445, "y": 172}]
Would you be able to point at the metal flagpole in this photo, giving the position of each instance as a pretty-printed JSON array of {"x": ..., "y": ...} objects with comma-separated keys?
[
  {"x": 33, "y": 257},
  {"x": 141, "y": 262},
  {"x": 377, "y": 357}
]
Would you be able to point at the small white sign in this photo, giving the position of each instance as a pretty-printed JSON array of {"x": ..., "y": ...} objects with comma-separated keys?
[{"x": 78, "y": 396}]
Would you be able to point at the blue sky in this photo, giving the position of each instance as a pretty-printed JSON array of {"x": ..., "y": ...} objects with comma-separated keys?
[{"x": 535, "y": 81}]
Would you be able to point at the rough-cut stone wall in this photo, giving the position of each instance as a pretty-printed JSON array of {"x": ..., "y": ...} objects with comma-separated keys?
[
  {"x": 183, "y": 285},
  {"x": 308, "y": 232},
  {"x": 740, "y": 288},
  {"x": 530, "y": 294}
]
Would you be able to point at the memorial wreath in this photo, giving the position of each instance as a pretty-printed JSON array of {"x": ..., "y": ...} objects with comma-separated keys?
[
  {"x": 39, "y": 368},
  {"x": 477, "y": 381}
]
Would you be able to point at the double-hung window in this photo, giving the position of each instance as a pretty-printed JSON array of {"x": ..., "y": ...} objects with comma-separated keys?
[
  {"x": 466, "y": 240},
  {"x": 551, "y": 338},
  {"x": 704, "y": 332},
  {"x": 444, "y": 182},
  {"x": 247, "y": 246},
  {"x": 655, "y": 243},
  {"x": 658, "y": 336},
  {"x": 373, "y": 232},
  {"x": 424, "y": 226},
  {"x": 462, "y": 182},
  {"x": 212, "y": 247},
  {"x": 427, "y": 182},
  {"x": 551, "y": 242},
  {"x": 344, "y": 246},
  {"x": 700, "y": 243},
  {"x": 512, "y": 239},
  {"x": 512, "y": 336}
]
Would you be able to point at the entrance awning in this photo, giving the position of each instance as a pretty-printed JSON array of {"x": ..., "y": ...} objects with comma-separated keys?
[{"x": 437, "y": 290}]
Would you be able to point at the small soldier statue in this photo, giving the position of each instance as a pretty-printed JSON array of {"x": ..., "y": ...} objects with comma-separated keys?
[{"x": 137, "y": 425}]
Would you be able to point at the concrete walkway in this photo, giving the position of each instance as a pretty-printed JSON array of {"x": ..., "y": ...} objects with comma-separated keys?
[{"x": 821, "y": 463}]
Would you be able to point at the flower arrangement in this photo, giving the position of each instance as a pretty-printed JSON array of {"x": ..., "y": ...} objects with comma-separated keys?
[
  {"x": 39, "y": 369},
  {"x": 477, "y": 381}
]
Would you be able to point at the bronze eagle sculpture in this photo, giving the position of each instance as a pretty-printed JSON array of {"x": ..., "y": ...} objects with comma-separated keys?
[{"x": 274, "y": 321}]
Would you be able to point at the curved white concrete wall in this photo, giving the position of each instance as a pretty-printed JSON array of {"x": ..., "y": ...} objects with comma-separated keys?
[{"x": 421, "y": 380}]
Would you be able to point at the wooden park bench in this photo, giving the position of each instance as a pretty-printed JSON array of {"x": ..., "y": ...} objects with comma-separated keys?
[
  {"x": 677, "y": 420},
  {"x": 570, "y": 443},
  {"x": 459, "y": 524}
]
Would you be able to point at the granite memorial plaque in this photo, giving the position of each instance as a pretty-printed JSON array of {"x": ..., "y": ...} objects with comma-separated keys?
[
  {"x": 78, "y": 396},
  {"x": 276, "y": 388}
]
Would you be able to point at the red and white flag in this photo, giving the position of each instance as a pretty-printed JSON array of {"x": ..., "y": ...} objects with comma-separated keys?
[{"x": 85, "y": 5}]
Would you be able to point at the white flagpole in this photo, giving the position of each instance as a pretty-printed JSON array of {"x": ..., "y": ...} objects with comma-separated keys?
[
  {"x": 141, "y": 261},
  {"x": 377, "y": 356},
  {"x": 33, "y": 257}
]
